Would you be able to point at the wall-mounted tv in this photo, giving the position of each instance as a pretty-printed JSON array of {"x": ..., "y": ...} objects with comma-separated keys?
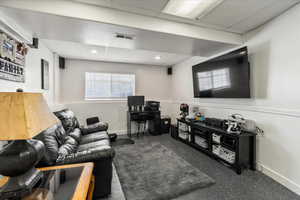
[{"x": 226, "y": 76}]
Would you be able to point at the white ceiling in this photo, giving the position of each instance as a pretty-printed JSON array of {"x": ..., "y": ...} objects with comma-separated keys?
[
  {"x": 54, "y": 27},
  {"x": 74, "y": 38},
  {"x": 81, "y": 51},
  {"x": 238, "y": 16}
]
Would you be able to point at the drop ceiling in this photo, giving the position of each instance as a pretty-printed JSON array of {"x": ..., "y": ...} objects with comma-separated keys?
[
  {"x": 74, "y": 50},
  {"x": 75, "y": 38},
  {"x": 238, "y": 16}
]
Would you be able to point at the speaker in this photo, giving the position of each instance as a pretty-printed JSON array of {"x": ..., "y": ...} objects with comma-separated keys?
[
  {"x": 35, "y": 43},
  {"x": 165, "y": 125},
  {"x": 169, "y": 71},
  {"x": 174, "y": 131},
  {"x": 61, "y": 62}
]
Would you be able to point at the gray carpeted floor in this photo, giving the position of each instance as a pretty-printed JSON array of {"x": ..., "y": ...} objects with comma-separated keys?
[
  {"x": 229, "y": 186},
  {"x": 150, "y": 171}
]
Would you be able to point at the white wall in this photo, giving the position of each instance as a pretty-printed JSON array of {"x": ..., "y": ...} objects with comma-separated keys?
[
  {"x": 275, "y": 65},
  {"x": 151, "y": 81},
  {"x": 33, "y": 75}
]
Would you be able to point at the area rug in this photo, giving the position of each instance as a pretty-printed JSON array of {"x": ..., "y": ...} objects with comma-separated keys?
[{"x": 153, "y": 172}]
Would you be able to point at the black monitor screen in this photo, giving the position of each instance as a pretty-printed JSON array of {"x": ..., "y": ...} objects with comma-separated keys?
[
  {"x": 136, "y": 100},
  {"x": 226, "y": 76}
]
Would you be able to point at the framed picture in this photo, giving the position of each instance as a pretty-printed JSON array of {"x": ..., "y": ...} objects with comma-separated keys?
[
  {"x": 45, "y": 74},
  {"x": 11, "y": 71}
]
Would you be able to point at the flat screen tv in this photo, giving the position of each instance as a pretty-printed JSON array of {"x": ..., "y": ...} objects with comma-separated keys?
[{"x": 226, "y": 76}]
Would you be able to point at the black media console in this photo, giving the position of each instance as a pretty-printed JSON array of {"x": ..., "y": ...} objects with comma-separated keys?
[{"x": 235, "y": 150}]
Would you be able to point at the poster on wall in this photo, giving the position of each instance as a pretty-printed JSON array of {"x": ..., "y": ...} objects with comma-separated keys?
[
  {"x": 45, "y": 74},
  {"x": 12, "y": 58},
  {"x": 11, "y": 71}
]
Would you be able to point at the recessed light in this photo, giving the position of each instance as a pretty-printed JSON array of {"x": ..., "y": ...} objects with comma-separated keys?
[
  {"x": 190, "y": 8},
  {"x": 157, "y": 57},
  {"x": 94, "y": 51}
]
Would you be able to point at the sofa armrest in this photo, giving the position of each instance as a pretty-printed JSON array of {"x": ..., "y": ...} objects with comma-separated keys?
[
  {"x": 92, "y": 120},
  {"x": 97, "y": 127},
  {"x": 90, "y": 155}
]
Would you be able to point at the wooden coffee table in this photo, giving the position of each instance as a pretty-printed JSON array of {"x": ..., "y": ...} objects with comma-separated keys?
[{"x": 84, "y": 187}]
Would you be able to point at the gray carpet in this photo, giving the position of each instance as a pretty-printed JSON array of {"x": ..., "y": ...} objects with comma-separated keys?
[
  {"x": 229, "y": 186},
  {"x": 150, "y": 171}
]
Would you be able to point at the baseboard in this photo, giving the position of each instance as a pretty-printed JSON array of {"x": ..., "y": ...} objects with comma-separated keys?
[{"x": 279, "y": 178}]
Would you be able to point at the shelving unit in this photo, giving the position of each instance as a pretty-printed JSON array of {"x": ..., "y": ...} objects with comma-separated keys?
[{"x": 236, "y": 151}]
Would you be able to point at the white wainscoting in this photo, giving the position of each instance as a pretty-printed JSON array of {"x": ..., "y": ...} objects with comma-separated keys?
[{"x": 278, "y": 149}]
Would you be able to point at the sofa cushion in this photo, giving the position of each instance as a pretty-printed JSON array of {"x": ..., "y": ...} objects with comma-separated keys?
[
  {"x": 76, "y": 134},
  {"x": 93, "y": 137},
  {"x": 51, "y": 143},
  {"x": 60, "y": 133},
  {"x": 91, "y": 145},
  {"x": 89, "y": 155},
  {"x": 69, "y": 146},
  {"x": 99, "y": 126},
  {"x": 68, "y": 120}
]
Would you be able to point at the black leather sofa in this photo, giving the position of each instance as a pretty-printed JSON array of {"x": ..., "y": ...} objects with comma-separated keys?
[{"x": 67, "y": 142}]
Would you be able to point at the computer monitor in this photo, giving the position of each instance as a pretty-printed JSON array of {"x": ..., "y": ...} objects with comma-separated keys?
[{"x": 135, "y": 101}]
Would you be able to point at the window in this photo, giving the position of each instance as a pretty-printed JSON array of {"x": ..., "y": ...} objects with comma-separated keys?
[
  {"x": 216, "y": 79},
  {"x": 109, "y": 85}
]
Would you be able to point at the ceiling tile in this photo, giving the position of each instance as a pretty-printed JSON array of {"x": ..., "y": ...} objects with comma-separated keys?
[
  {"x": 263, "y": 16},
  {"x": 111, "y": 54},
  {"x": 155, "y": 5},
  {"x": 225, "y": 17},
  {"x": 233, "y": 11},
  {"x": 105, "y": 3},
  {"x": 94, "y": 33}
]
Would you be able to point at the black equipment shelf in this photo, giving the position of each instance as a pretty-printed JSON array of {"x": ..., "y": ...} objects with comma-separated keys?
[
  {"x": 238, "y": 149},
  {"x": 199, "y": 147},
  {"x": 228, "y": 147}
]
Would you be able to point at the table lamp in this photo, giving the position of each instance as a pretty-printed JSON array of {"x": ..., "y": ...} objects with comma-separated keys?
[{"x": 22, "y": 116}]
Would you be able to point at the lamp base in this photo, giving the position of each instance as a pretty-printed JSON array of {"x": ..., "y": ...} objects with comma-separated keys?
[
  {"x": 19, "y": 186},
  {"x": 18, "y": 159}
]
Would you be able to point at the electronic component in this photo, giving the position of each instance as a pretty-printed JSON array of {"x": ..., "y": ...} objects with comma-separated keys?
[
  {"x": 201, "y": 142},
  {"x": 224, "y": 153},
  {"x": 216, "y": 138},
  {"x": 152, "y": 105},
  {"x": 184, "y": 110}
]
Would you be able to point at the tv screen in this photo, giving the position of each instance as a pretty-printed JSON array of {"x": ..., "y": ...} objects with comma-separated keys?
[{"x": 226, "y": 76}]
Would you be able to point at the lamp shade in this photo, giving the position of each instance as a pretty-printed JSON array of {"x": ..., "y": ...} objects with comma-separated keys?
[{"x": 23, "y": 115}]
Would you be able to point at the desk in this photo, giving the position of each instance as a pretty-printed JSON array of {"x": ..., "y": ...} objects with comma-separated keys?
[
  {"x": 84, "y": 188},
  {"x": 153, "y": 121}
]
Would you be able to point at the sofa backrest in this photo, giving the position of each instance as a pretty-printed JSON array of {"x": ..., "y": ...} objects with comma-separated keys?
[
  {"x": 68, "y": 120},
  {"x": 60, "y": 139},
  {"x": 52, "y": 138}
]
